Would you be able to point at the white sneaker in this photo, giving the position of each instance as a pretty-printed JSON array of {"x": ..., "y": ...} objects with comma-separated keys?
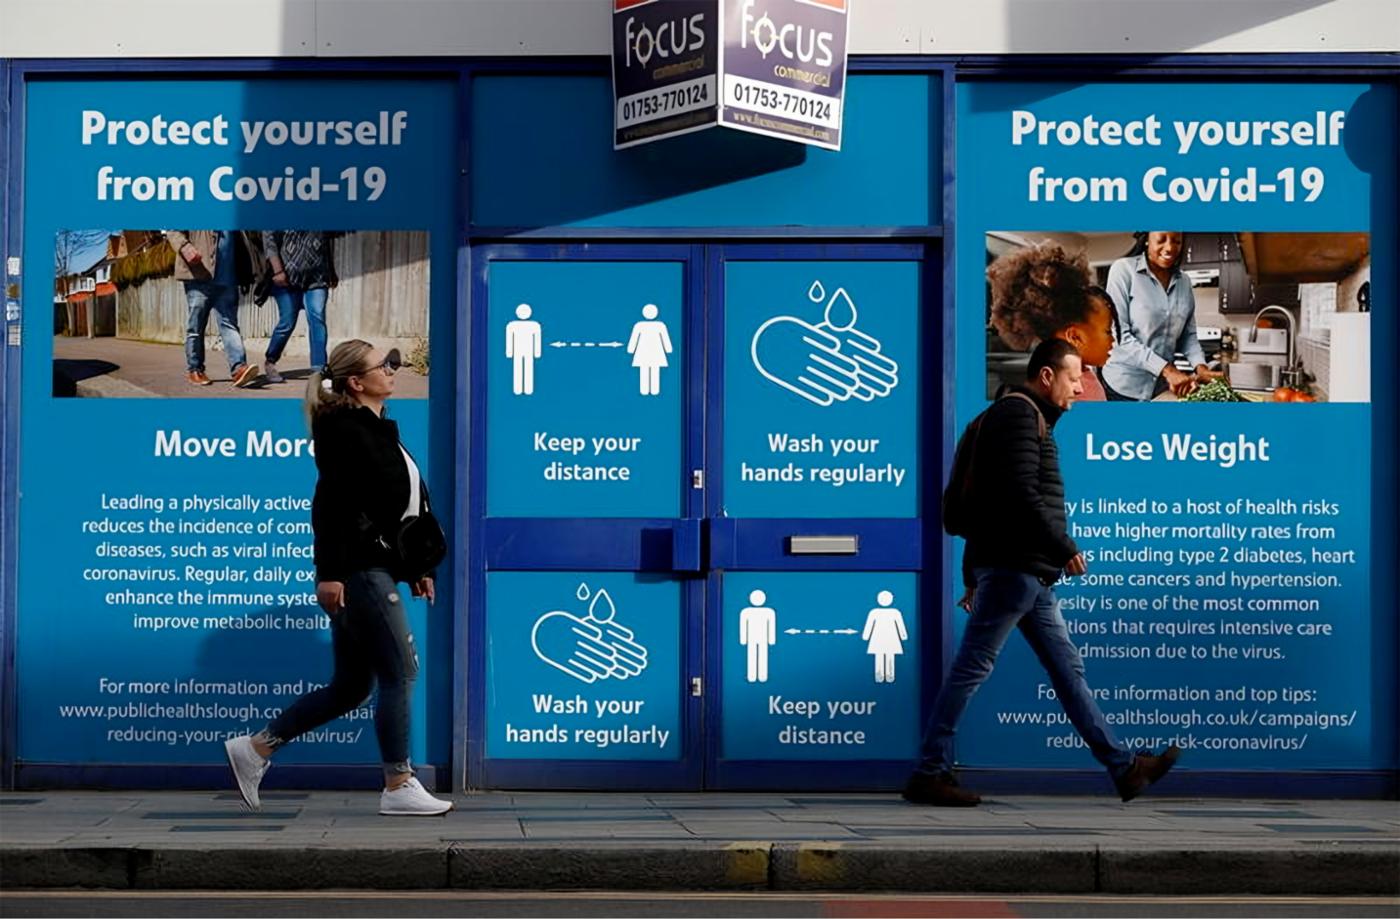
[
  {"x": 411, "y": 800},
  {"x": 270, "y": 373},
  {"x": 248, "y": 767}
]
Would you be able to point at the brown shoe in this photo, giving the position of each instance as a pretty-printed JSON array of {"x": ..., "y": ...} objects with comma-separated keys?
[
  {"x": 197, "y": 378},
  {"x": 940, "y": 790},
  {"x": 1146, "y": 769},
  {"x": 245, "y": 375}
]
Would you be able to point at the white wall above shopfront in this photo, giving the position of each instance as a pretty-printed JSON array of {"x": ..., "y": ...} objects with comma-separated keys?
[{"x": 373, "y": 28}]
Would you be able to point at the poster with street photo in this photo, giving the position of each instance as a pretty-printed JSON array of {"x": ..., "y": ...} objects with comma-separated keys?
[
  {"x": 1167, "y": 315},
  {"x": 243, "y": 314}
]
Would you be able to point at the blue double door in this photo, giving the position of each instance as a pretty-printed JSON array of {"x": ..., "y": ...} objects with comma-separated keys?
[{"x": 698, "y": 539}]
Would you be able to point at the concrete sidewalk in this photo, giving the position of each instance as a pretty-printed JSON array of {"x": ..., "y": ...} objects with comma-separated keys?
[{"x": 539, "y": 841}]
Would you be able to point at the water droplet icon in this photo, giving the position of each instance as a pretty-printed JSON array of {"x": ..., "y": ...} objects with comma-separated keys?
[
  {"x": 607, "y": 610},
  {"x": 582, "y": 592},
  {"x": 841, "y": 311},
  {"x": 816, "y": 293}
]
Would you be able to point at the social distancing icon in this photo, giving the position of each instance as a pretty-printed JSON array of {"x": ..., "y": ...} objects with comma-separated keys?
[
  {"x": 884, "y": 635},
  {"x": 649, "y": 345}
]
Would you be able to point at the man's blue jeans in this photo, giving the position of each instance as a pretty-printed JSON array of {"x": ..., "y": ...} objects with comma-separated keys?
[
  {"x": 222, "y": 299},
  {"x": 289, "y": 301},
  {"x": 1008, "y": 599}
]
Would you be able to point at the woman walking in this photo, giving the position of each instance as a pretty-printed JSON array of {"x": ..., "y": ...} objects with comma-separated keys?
[
  {"x": 303, "y": 273},
  {"x": 368, "y": 483}
]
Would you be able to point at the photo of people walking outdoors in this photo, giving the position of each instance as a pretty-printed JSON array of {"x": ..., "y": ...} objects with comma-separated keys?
[
  {"x": 231, "y": 313},
  {"x": 1167, "y": 315}
]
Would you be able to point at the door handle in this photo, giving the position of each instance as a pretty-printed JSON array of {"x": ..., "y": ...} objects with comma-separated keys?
[
  {"x": 823, "y": 545},
  {"x": 686, "y": 543}
]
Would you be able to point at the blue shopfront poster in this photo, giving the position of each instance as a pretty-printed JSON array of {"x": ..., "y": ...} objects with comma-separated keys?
[
  {"x": 166, "y": 589},
  {"x": 1229, "y": 605}
]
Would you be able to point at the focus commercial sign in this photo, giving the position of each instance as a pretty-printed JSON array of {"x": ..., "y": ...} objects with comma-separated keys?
[
  {"x": 774, "y": 67},
  {"x": 665, "y": 62},
  {"x": 783, "y": 68}
]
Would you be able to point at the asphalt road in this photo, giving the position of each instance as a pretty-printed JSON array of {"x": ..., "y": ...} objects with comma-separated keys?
[{"x": 530, "y": 903}]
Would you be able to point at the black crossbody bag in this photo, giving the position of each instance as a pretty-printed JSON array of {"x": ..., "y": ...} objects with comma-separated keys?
[{"x": 416, "y": 545}]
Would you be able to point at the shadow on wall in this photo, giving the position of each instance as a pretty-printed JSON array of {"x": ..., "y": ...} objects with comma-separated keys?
[
  {"x": 1374, "y": 153},
  {"x": 596, "y": 180},
  {"x": 300, "y": 657},
  {"x": 712, "y": 158}
]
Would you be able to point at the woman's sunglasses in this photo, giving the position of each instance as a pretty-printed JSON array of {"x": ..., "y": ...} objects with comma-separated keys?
[{"x": 392, "y": 362}]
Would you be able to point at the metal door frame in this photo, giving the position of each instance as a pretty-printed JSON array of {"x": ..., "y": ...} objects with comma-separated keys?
[
  {"x": 598, "y": 544},
  {"x": 899, "y": 544},
  {"x": 546, "y": 544}
]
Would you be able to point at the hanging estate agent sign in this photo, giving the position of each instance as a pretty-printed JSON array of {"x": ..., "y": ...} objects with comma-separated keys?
[
  {"x": 780, "y": 69},
  {"x": 783, "y": 68},
  {"x": 665, "y": 59}
]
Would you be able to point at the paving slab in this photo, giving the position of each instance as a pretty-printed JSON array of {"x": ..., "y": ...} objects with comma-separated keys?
[{"x": 326, "y": 840}]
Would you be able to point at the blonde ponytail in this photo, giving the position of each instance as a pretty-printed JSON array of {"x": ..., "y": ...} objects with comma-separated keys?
[{"x": 325, "y": 388}]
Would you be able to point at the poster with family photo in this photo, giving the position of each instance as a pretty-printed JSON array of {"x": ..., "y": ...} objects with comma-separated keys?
[
  {"x": 241, "y": 314},
  {"x": 1167, "y": 315}
]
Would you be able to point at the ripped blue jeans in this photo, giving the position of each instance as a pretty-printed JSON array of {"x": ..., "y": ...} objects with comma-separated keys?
[{"x": 372, "y": 645}]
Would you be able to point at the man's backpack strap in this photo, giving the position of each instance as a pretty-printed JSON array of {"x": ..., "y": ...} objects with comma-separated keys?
[
  {"x": 1040, "y": 425},
  {"x": 958, "y": 493}
]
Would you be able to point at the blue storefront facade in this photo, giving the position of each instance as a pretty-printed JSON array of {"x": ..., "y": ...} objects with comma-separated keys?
[{"x": 683, "y": 558}]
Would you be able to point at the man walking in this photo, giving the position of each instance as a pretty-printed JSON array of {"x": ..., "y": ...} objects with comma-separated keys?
[
  {"x": 1017, "y": 547},
  {"x": 206, "y": 263}
]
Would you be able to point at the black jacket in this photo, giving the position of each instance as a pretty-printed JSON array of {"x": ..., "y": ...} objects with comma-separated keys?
[
  {"x": 1018, "y": 492},
  {"x": 361, "y": 494}
]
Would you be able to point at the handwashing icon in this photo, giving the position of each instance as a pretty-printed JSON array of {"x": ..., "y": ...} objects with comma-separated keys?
[
  {"x": 830, "y": 362},
  {"x": 592, "y": 647}
]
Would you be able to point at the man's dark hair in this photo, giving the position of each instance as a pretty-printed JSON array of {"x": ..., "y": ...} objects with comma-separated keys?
[{"x": 1049, "y": 353}]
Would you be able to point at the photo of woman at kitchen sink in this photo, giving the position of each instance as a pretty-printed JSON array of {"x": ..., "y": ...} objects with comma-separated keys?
[{"x": 1175, "y": 315}]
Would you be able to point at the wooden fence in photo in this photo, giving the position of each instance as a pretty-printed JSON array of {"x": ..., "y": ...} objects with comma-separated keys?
[{"x": 382, "y": 297}]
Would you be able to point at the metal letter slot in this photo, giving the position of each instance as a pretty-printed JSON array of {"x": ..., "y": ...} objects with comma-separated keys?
[{"x": 823, "y": 545}]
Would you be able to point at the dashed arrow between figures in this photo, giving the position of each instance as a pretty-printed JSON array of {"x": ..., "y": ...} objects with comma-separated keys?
[
  {"x": 585, "y": 344},
  {"x": 819, "y": 632}
]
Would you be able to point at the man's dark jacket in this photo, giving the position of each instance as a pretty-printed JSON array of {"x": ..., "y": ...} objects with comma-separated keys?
[
  {"x": 1018, "y": 494},
  {"x": 361, "y": 493}
]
